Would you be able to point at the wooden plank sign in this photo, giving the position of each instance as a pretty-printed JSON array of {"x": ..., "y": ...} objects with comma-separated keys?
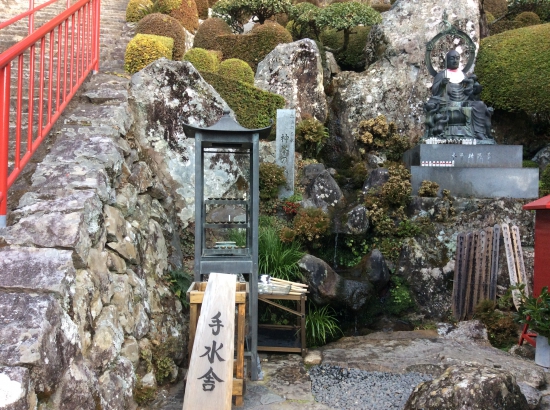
[
  {"x": 210, "y": 376},
  {"x": 511, "y": 263},
  {"x": 458, "y": 282},
  {"x": 494, "y": 263},
  {"x": 518, "y": 254},
  {"x": 487, "y": 261}
]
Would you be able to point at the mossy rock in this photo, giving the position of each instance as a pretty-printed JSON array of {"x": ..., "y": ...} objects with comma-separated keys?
[
  {"x": 237, "y": 70},
  {"x": 168, "y": 5},
  {"x": 353, "y": 58},
  {"x": 143, "y": 49},
  {"x": 513, "y": 68},
  {"x": 208, "y": 32},
  {"x": 134, "y": 9},
  {"x": 497, "y": 8},
  {"x": 202, "y": 8},
  {"x": 527, "y": 18},
  {"x": 163, "y": 25},
  {"x": 187, "y": 15},
  {"x": 253, "y": 47},
  {"x": 253, "y": 107},
  {"x": 203, "y": 60}
]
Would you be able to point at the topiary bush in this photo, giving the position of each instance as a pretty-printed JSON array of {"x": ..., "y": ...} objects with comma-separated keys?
[
  {"x": 497, "y": 8},
  {"x": 163, "y": 25},
  {"x": 272, "y": 176},
  {"x": 208, "y": 32},
  {"x": 236, "y": 69},
  {"x": 134, "y": 9},
  {"x": 187, "y": 15},
  {"x": 253, "y": 47},
  {"x": 311, "y": 135},
  {"x": 513, "y": 68},
  {"x": 166, "y": 6},
  {"x": 527, "y": 18},
  {"x": 143, "y": 49},
  {"x": 253, "y": 107},
  {"x": 202, "y": 9},
  {"x": 202, "y": 60},
  {"x": 353, "y": 57}
]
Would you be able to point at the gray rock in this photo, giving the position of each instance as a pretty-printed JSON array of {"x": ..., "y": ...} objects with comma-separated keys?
[
  {"x": 470, "y": 386},
  {"x": 130, "y": 350},
  {"x": 326, "y": 286},
  {"x": 320, "y": 188},
  {"x": 542, "y": 157},
  {"x": 104, "y": 88},
  {"x": 471, "y": 331},
  {"x": 295, "y": 71},
  {"x": 395, "y": 82},
  {"x": 376, "y": 178},
  {"x": 358, "y": 221},
  {"x": 116, "y": 116},
  {"x": 372, "y": 269},
  {"x": 532, "y": 395},
  {"x": 16, "y": 391},
  {"x": 116, "y": 386},
  {"x": 107, "y": 340},
  {"x": 76, "y": 390},
  {"x": 271, "y": 398},
  {"x": 126, "y": 199},
  {"x": 141, "y": 177}
]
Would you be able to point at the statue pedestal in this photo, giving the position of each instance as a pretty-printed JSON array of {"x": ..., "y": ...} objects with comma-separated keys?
[{"x": 480, "y": 171}]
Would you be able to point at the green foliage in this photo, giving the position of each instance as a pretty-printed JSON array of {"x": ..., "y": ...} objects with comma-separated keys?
[
  {"x": 497, "y": 8},
  {"x": 134, "y": 9},
  {"x": 514, "y": 68},
  {"x": 180, "y": 280},
  {"x": 202, "y": 60},
  {"x": 380, "y": 135},
  {"x": 544, "y": 182},
  {"x": 272, "y": 177},
  {"x": 303, "y": 22},
  {"x": 163, "y": 25},
  {"x": 253, "y": 47},
  {"x": 143, "y": 49},
  {"x": 277, "y": 258},
  {"x": 311, "y": 135},
  {"x": 143, "y": 394},
  {"x": 253, "y": 107},
  {"x": 321, "y": 324},
  {"x": 234, "y": 11},
  {"x": 400, "y": 299},
  {"x": 353, "y": 57},
  {"x": 428, "y": 189},
  {"x": 163, "y": 368},
  {"x": 166, "y": 6},
  {"x": 238, "y": 236},
  {"x": 535, "y": 311},
  {"x": 501, "y": 329},
  {"x": 187, "y": 15},
  {"x": 208, "y": 32},
  {"x": 237, "y": 70},
  {"x": 527, "y": 18},
  {"x": 397, "y": 190},
  {"x": 346, "y": 16},
  {"x": 311, "y": 223},
  {"x": 529, "y": 164}
]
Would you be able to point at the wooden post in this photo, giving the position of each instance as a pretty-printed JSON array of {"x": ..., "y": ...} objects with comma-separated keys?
[{"x": 511, "y": 263}]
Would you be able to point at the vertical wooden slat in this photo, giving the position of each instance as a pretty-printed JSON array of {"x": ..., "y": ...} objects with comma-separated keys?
[
  {"x": 494, "y": 263},
  {"x": 458, "y": 285},
  {"x": 488, "y": 257},
  {"x": 511, "y": 263},
  {"x": 518, "y": 254},
  {"x": 468, "y": 309},
  {"x": 240, "y": 348}
]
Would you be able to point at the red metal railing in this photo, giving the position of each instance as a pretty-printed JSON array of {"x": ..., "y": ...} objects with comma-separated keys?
[{"x": 38, "y": 77}]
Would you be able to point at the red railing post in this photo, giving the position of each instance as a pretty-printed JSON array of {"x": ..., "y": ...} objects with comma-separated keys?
[
  {"x": 31, "y": 17},
  {"x": 5, "y": 73},
  {"x": 95, "y": 40}
]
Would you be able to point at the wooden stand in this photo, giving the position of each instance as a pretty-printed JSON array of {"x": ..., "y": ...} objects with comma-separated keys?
[
  {"x": 301, "y": 322},
  {"x": 195, "y": 296}
]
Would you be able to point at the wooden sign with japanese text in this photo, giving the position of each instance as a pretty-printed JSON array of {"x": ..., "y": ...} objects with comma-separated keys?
[{"x": 210, "y": 376}]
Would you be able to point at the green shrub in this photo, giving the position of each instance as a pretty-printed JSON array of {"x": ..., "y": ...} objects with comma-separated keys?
[
  {"x": 379, "y": 134},
  {"x": 527, "y": 18},
  {"x": 311, "y": 135},
  {"x": 187, "y": 15},
  {"x": 166, "y": 6},
  {"x": 397, "y": 190},
  {"x": 202, "y": 60},
  {"x": 497, "y": 8},
  {"x": 277, "y": 258},
  {"x": 134, "y": 9},
  {"x": 234, "y": 12},
  {"x": 253, "y": 47},
  {"x": 544, "y": 182},
  {"x": 321, "y": 324},
  {"x": 208, "y": 32},
  {"x": 303, "y": 21},
  {"x": 514, "y": 68},
  {"x": 490, "y": 17},
  {"x": 143, "y": 49},
  {"x": 272, "y": 176},
  {"x": 235, "y": 16},
  {"x": 311, "y": 223},
  {"x": 163, "y": 25},
  {"x": 501, "y": 329},
  {"x": 428, "y": 189},
  {"x": 253, "y": 107},
  {"x": 400, "y": 299},
  {"x": 529, "y": 164},
  {"x": 353, "y": 58},
  {"x": 237, "y": 70},
  {"x": 202, "y": 9},
  {"x": 180, "y": 280}
]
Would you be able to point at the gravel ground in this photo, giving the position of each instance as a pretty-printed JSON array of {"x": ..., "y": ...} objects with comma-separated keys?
[{"x": 342, "y": 388}]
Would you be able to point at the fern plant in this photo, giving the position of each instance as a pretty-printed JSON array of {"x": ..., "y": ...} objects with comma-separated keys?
[{"x": 180, "y": 281}]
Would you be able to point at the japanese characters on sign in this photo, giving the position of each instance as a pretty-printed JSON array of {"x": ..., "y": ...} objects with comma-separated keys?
[{"x": 210, "y": 378}]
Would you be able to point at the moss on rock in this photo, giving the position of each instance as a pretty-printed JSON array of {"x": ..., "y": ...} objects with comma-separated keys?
[
  {"x": 203, "y": 60},
  {"x": 187, "y": 15},
  {"x": 134, "y": 9},
  {"x": 237, "y": 70},
  {"x": 513, "y": 68},
  {"x": 253, "y": 107},
  {"x": 353, "y": 58},
  {"x": 208, "y": 32},
  {"x": 163, "y": 25},
  {"x": 143, "y": 49}
]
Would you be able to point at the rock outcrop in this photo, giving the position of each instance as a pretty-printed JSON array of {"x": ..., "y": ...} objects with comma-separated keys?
[
  {"x": 320, "y": 188},
  {"x": 294, "y": 71}
]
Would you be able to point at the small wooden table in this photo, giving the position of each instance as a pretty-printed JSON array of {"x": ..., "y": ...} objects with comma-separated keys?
[{"x": 300, "y": 325}]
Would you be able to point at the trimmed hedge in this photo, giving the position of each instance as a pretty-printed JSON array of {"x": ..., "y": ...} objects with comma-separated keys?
[
  {"x": 353, "y": 58},
  {"x": 187, "y": 15},
  {"x": 143, "y": 49},
  {"x": 237, "y": 70},
  {"x": 253, "y": 107},
  {"x": 203, "y": 60},
  {"x": 208, "y": 32},
  {"x": 168, "y": 5},
  {"x": 202, "y": 8},
  {"x": 163, "y": 25},
  {"x": 514, "y": 69},
  {"x": 253, "y": 47},
  {"x": 527, "y": 18},
  {"x": 134, "y": 9},
  {"x": 497, "y": 8}
]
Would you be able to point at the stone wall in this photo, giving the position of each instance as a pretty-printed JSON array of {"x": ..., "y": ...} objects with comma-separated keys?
[{"x": 87, "y": 318}]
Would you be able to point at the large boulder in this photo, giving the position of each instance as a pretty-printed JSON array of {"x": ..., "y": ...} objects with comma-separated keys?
[
  {"x": 327, "y": 287},
  {"x": 470, "y": 386},
  {"x": 295, "y": 72},
  {"x": 320, "y": 189},
  {"x": 396, "y": 82}
]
